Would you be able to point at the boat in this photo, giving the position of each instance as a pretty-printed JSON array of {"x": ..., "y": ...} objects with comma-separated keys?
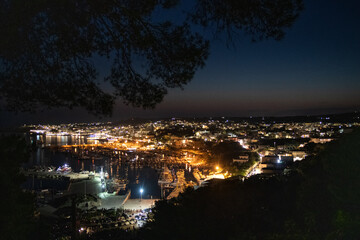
[{"x": 64, "y": 169}]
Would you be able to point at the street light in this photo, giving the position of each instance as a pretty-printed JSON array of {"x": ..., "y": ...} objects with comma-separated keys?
[{"x": 141, "y": 191}]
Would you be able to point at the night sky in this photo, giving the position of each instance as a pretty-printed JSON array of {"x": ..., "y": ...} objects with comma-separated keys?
[{"x": 315, "y": 69}]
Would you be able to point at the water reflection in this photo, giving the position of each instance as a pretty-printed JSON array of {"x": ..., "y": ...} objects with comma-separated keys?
[{"x": 136, "y": 176}]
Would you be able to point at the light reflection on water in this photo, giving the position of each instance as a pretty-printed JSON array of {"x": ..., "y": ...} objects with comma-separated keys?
[
  {"x": 137, "y": 177},
  {"x": 57, "y": 140}
]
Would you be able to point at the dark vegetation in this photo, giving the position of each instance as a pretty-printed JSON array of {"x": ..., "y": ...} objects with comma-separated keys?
[
  {"x": 242, "y": 169},
  {"x": 177, "y": 132},
  {"x": 17, "y": 208},
  {"x": 313, "y": 147},
  {"x": 224, "y": 152}
]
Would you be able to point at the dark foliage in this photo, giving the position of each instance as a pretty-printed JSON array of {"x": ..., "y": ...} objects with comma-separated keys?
[
  {"x": 224, "y": 152},
  {"x": 17, "y": 219},
  {"x": 261, "y": 19},
  {"x": 226, "y": 210},
  {"x": 313, "y": 147},
  {"x": 47, "y": 48}
]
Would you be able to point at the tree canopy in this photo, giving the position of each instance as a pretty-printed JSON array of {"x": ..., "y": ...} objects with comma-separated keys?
[
  {"x": 47, "y": 48},
  {"x": 17, "y": 208}
]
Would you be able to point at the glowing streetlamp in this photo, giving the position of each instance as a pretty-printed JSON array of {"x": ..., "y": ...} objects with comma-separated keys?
[{"x": 141, "y": 191}]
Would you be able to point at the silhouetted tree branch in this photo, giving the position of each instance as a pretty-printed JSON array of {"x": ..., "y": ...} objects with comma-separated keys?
[
  {"x": 261, "y": 19},
  {"x": 47, "y": 48}
]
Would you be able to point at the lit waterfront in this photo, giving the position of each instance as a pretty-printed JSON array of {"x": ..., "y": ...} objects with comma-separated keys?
[
  {"x": 138, "y": 169},
  {"x": 119, "y": 172},
  {"x": 136, "y": 177}
]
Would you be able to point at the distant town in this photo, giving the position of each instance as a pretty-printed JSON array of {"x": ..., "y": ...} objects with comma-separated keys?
[{"x": 96, "y": 176}]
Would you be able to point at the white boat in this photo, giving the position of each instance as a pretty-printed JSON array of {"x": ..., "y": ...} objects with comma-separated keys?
[{"x": 64, "y": 169}]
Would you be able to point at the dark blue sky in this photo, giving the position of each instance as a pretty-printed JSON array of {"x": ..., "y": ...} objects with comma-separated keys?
[{"x": 315, "y": 69}]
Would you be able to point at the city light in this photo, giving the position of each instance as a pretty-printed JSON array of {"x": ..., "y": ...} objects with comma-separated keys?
[
  {"x": 181, "y": 162},
  {"x": 141, "y": 192}
]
